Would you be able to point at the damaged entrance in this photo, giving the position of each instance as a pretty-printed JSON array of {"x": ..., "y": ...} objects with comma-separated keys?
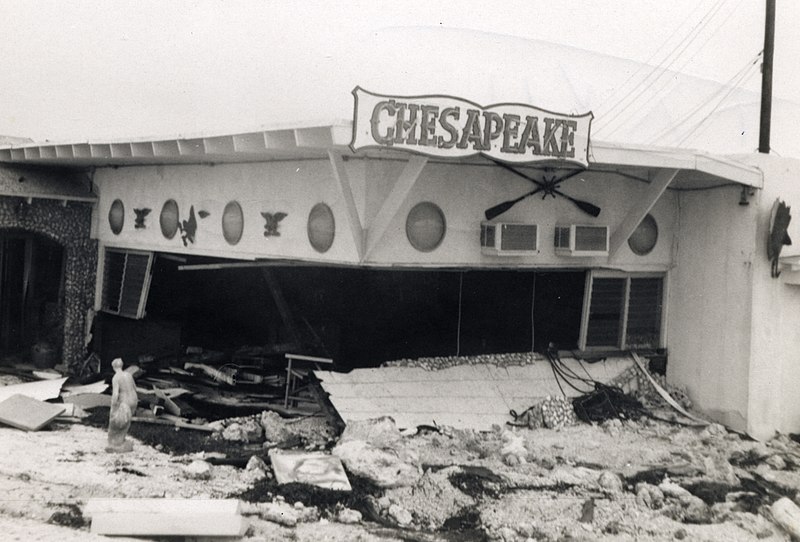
[
  {"x": 362, "y": 317},
  {"x": 31, "y": 296}
]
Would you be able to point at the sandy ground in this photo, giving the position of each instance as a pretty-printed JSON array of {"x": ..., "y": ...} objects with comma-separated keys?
[{"x": 541, "y": 493}]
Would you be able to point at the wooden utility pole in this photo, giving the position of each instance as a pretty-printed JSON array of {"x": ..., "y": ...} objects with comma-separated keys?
[{"x": 766, "y": 78}]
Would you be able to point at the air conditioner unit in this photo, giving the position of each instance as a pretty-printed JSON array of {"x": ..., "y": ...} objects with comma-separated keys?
[
  {"x": 509, "y": 239},
  {"x": 578, "y": 240}
]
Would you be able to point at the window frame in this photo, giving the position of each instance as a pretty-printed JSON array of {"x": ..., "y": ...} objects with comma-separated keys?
[{"x": 623, "y": 332}]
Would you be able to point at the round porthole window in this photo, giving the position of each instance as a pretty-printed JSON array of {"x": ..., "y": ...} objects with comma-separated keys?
[
  {"x": 425, "y": 226},
  {"x": 232, "y": 222},
  {"x": 116, "y": 216},
  {"x": 169, "y": 219},
  {"x": 321, "y": 227},
  {"x": 644, "y": 238}
]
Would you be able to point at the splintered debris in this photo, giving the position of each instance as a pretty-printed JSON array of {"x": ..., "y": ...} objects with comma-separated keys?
[{"x": 319, "y": 469}]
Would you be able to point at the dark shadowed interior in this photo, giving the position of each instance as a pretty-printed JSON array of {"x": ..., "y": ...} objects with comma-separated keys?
[{"x": 359, "y": 317}]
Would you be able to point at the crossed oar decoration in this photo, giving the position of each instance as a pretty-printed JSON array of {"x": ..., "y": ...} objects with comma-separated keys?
[{"x": 548, "y": 186}]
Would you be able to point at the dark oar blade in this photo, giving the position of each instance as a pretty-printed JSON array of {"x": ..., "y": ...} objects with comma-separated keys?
[
  {"x": 499, "y": 209},
  {"x": 585, "y": 206}
]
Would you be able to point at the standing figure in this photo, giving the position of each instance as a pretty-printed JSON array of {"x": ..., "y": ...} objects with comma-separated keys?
[{"x": 123, "y": 405}]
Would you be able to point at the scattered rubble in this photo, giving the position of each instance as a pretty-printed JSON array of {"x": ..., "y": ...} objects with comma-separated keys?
[{"x": 549, "y": 478}]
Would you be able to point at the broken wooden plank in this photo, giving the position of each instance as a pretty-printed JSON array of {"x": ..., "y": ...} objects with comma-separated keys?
[
  {"x": 663, "y": 393},
  {"x": 96, "y": 387},
  {"x": 41, "y": 390},
  {"x": 89, "y": 400},
  {"x": 314, "y": 468},
  {"x": 215, "y": 374},
  {"x": 47, "y": 374},
  {"x": 168, "y": 524},
  {"x": 165, "y": 505},
  {"x": 26, "y": 413},
  {"x": 175, "y": 423}
]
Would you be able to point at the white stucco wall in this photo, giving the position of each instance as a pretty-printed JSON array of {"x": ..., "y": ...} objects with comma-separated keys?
[
  {"x": 774, "y": 386},
  {"x": 463, "y": 193},
  {"x": 734, "y": 332},
  {"x": 709, "y": 308}
]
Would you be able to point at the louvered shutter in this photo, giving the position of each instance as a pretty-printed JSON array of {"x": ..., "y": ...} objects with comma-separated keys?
[
  {"x": 605, "y": 312},
  {"x": 644, "y": 312},
  {"x": 126, "y": 282}
]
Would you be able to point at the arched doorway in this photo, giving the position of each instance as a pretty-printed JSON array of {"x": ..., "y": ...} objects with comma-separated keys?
[{"x": 31, "y": 294}]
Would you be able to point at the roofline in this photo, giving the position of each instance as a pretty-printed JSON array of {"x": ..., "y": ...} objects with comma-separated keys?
[{"x": 322, "y": 136}]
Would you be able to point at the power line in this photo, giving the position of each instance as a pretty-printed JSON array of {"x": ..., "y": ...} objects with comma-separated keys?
[
  {"x": 624, "y": 104},
  {"x": 649, "y": 60},
  {"x": 683, "y": 120},
  {"x": 749, "y": 73},
  {"x": 666, "y": 87}
]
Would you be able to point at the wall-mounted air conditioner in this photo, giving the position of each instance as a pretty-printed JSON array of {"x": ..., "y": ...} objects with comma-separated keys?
[
  {"x": 509, "y": 239},
  {"x": 579, "y": 240}
]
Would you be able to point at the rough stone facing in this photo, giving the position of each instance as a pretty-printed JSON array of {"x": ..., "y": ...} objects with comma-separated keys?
[{"x": 69, "y": 226}]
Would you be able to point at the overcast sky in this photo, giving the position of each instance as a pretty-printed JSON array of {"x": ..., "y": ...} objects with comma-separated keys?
[{"x": 88, "y": 70}]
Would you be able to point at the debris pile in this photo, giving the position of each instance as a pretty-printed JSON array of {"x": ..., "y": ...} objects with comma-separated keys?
[
  {"x": 634, "y": 382},
  {"x": 551, "y": 413},
  {"x": 444, "y": 362}
]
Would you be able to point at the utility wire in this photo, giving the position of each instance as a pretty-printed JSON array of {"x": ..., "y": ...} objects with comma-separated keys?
[
  {"x": 669, "y": 84},
  {"x": 675, "y": 126},
  {"x": 625, "y": 103},
  {"x": 647, "y": 62},
  {"x": 744, "y": 78}
]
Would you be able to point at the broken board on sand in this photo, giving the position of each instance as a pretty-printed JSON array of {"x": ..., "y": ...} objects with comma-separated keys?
[
  {"x": 26, "y": 413},
  {"x": 166, "y": 517},
  {"x": 315, "y": 468}
]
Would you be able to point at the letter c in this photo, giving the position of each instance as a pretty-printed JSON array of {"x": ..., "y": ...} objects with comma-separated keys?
[{"x": 375, "y": 121}]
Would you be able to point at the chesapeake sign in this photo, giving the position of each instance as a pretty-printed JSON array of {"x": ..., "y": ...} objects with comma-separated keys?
[{"x": 453, "y": 127}]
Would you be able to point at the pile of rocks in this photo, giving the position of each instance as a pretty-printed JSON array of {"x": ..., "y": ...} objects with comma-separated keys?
[
  {"x": 551, "y": 413},
  {"x": 272, "y": 430},
  {"x": 444, "y": 362}
]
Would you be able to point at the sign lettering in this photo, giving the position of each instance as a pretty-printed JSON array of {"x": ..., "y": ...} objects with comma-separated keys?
[{"x": 453, "y": 127}]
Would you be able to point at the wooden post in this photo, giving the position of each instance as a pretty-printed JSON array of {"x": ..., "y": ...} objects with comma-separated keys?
[{"x": 766, "y": 78}]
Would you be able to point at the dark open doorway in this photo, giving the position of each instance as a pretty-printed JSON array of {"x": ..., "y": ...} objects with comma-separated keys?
[{"x": 31, "y": 293}]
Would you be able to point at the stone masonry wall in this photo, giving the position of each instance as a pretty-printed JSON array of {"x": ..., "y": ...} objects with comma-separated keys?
[{"x": 70, "y": 226}]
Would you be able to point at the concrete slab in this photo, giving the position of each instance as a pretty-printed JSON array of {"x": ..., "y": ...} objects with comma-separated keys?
[
  {"x": 464, "y": 396},
  {"x": 26, "y": 413}
]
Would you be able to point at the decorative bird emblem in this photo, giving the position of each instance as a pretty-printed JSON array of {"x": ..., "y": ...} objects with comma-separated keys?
[
  {"x": 271, "y": 224},
  {"x": 188, "y": 228},
  {"x": 141, "y": 214}
]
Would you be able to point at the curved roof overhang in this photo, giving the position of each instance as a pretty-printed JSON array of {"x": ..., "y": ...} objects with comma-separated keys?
[{"x": 696, "y": 169}]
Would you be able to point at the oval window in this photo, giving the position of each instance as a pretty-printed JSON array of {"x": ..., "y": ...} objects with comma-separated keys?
[
  {"x": 425, "y": 226},
  {"x": 232, "y": 222},
  {"x": 116, "y": 216},
  {"x": 321, "y": 227},
  {"x": 644, "y": 238},
  {"x": 169, "y": 219}
]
